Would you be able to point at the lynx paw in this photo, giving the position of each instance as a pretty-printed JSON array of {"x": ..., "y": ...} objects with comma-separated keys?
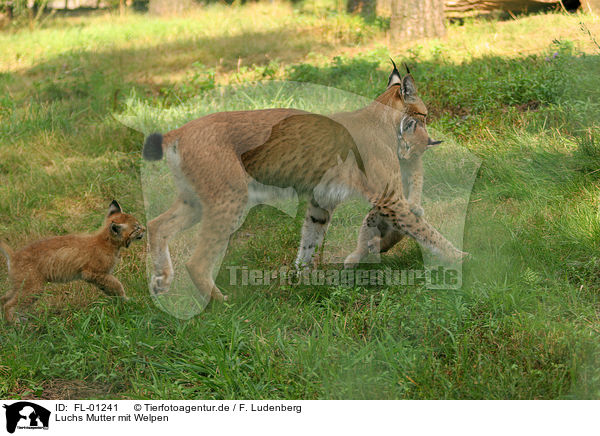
[
  {"x": 159, "y": 285},
  {"x": 216, "y": 295},
  {"x": 417, "y": 210},
  {"x": 458, "y": 256},
  {"x": 352, "y": 260}
]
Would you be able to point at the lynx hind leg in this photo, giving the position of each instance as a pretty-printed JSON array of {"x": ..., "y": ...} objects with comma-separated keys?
[
  {"x": 314, "y": 228},
  {"x": 181, "y": 215},
  {"x": 397, "y": 212},
  {"x": 219, "y": 221}
]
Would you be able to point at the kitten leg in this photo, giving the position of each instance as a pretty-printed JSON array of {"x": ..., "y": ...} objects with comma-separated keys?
[
  {"x": 390, "y": 238},
  {"x": 369, "y": 238},
  {"x": 375, "y": 236},
  {"x": 21, "y": 295},
  {"x": 9, "y": 306},
  {"x": 182, "y": 215},
  {"x": 315, "y": 226},
  {"x": 107, "y": 283}
]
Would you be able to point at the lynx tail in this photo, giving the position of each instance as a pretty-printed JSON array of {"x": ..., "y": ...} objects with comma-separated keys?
[{"x": 153, "y": 147}]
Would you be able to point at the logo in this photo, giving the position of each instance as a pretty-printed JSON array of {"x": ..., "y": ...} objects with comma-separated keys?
[{"x": 26, "y": 415}]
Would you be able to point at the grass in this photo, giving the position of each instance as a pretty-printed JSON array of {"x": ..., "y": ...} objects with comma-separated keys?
[{"x": 525, "y": 323}]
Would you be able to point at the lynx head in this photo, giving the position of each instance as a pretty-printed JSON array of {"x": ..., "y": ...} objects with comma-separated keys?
[
  {"x": 413, "y": 139},
  {"x": 401, "y": 95},
  {"x": 122, "y": 227}
]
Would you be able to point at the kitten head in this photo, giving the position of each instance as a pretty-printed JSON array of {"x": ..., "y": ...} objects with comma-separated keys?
[
  {"x": 122, "y": 227},
  {"x": 413, "y": 139}
]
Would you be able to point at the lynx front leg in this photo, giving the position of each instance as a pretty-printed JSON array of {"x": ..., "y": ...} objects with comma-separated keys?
[
  {"x": 315, "y": 226},
  {"x": 397, "y": 213},
  {"x": 412, "y": 179},
  {"x": 182, "y": 215},
  {"x": 107, "y": 283}
]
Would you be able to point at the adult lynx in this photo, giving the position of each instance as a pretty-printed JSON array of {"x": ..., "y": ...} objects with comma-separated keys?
[{"x": 217, "y": 159}]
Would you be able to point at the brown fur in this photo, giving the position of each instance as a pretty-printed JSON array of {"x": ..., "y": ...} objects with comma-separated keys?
[
  {"x": 215, "y": 159},
  {"x": 89, "y": 257},
  {"x": 377, "y": 234}
]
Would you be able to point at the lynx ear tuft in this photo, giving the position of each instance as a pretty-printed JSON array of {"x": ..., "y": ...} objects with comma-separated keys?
[
  {"x": 114, "y": 208},
  {"x": 395, "y": 78}
]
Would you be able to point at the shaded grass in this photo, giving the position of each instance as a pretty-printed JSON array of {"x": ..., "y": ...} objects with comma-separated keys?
[{"x": 524, "y": 325}]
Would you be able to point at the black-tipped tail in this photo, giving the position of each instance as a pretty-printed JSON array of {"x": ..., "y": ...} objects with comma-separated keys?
[{"x": 153, "y": 147}]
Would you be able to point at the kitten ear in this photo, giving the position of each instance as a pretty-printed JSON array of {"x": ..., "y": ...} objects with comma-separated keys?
[
  {"x": 408, "y": 88},
  {"x": 115, "y": 229},
  {"x": 114, "y": 208}
]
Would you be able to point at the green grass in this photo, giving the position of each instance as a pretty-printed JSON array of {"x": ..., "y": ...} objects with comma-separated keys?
[{"x": 525, "y": 323}]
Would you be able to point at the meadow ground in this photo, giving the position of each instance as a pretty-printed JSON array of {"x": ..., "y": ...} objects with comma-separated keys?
[{"x": 521, "y": 95}]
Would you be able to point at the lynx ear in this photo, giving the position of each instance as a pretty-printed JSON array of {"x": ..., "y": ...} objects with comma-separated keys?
[
  {"x": 395, "y": 78},
  {"x": 114, "y": 208},
  {"x": 115, "y": 229},
  {"x": 409, "y": 88}
]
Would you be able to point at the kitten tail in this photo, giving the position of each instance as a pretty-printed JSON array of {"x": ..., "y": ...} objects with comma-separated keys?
[{"x": 6, "y": 251}]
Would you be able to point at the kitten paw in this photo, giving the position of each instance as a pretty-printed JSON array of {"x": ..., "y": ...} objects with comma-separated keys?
[{"x": 417, "y": 210}]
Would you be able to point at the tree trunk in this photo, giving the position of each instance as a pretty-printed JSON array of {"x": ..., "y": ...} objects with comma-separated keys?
[
  {"x": 414, "y": 19},
  {"x": 365, "y": 7}
]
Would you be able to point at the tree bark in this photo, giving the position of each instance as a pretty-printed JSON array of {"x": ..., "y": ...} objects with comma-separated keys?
[{"x": 414, "y": 19}]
